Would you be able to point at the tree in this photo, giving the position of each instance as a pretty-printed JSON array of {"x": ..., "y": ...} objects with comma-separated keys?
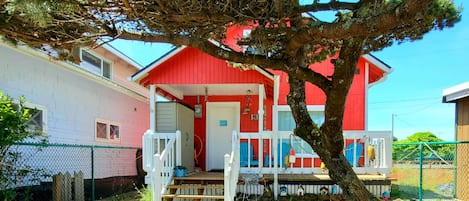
[
  {"x": 410, "y": 152},
  {"x": 287, "y": 40},
  {"x": 15, "y": 127}
]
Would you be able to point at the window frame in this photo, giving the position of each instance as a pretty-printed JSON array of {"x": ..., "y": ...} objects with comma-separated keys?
[
  {"x": 101, "y": 67},
  {"x": 108, "y": 124},
  {"x": 32, "y": 106},
  {"x": 311, "y": 108}
]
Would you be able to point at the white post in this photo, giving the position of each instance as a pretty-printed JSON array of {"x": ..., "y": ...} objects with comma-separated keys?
[
  {"x": 156, "y": 178},
  {"x": 275, "y": 133},
  {"x": 147, "y": 154},
  {"x": 227, "y": 192},
  {"x": 153, "y": 108},
  {"x": 260, "y": 120},
  {"x": 178, "y": 148}
]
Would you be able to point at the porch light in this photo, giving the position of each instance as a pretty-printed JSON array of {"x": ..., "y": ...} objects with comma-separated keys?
[{"x": 247, "y": 108}]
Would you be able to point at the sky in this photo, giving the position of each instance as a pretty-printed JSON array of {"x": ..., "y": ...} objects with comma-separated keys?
[{"x": 409, "y": 100}]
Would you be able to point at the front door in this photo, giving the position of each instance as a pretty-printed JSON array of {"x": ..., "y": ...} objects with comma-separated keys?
[{"x": 222, "y": 119}]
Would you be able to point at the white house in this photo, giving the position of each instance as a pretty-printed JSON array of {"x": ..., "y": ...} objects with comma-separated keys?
[{"x": 88, "y": 104}]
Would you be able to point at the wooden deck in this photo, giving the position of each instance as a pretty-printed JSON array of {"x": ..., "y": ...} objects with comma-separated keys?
[{"x": 217, "y": 177}]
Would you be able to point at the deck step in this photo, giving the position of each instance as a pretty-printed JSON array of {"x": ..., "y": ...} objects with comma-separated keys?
[
  {"x": 213, "y": 197},
  {"x": 196, "y": 187}
]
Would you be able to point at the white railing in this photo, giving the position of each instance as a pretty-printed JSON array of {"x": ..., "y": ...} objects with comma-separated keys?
[
  {"x": 270, "y": 149},
  {"x": 160, "y": 157},
  {"x": 231, "y": 166}
]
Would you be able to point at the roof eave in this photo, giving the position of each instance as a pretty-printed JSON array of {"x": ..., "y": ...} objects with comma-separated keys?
[
  {"x": 378, "y": 63},
  {"x": 121, "y": 55},
  {"x": 455, "y": 93},
  {"x": 142, "y": 72}
]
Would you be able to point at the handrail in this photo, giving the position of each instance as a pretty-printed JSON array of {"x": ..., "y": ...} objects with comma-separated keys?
[
  {"x": 380, "y": 142},
  {"x": 231, "y": 173},
  {"x": 161, "y": 165}
]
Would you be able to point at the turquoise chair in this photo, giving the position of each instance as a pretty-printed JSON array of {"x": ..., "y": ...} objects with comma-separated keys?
[
  {"x": 349, "y": 153},
  {"x": 281, "y": 153},
  {"x": 244, "y": 149}
]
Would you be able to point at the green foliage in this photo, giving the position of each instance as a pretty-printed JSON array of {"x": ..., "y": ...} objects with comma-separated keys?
[
  {"x": 145, "y": 194},
  {"x": 411, "y": 152},
  {"x": 14, "y": 119}
]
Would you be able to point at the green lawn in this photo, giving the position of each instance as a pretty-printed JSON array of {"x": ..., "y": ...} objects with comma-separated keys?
[{"x": 407, "y": 181}]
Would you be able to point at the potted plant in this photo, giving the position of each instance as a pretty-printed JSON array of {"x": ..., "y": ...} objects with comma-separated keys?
[{"x": 180, "y": 171}]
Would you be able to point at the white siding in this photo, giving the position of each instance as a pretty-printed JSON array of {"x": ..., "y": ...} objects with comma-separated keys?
[{"x": 73, "y": 102}]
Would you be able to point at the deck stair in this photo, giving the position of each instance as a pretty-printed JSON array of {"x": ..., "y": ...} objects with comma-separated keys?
[{"x": 197, "y": 186}]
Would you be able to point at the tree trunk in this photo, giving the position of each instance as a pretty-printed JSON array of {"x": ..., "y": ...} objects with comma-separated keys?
[{"x": 328, "y": 141}]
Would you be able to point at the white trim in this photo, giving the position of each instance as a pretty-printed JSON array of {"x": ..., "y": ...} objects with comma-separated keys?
[
  {"x": 142, "y": 73},
  {"x": 174, "y": 92},
  {"x": 456, "y": 92},
  {"x": 34, "y": 53},
  {"x": 44, "y": 113},
  {"x": 309, "y": 107},
  {"x": 108, "y": 124},
  {"x": 153, "y": 108},
  {"x": 377, "y": 63},
  {"x": 263, "y": 72},
  {"x": 209, "y": 106},
  {"x": 103, "y": 59},
  {"x": 367, "y": 78},
  {"x": 121, "y": 55}
]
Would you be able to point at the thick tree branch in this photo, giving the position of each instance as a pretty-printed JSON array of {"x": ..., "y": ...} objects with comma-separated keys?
[
  {"x": 342, "y": 78},
  {"x": 392, "y": 20},
  {"x": 333, "y": 5}
]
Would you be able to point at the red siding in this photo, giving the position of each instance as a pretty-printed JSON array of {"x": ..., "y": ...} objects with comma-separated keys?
[
  {"x": 246, "y": 124},
  {"x": 191, "y": 66},
  {"x": 354, "y": 118}
]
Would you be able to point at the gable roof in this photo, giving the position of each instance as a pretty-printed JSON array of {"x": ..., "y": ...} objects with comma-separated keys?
[
  {"x": 121, "y": 55},
  {"x": 455, "y": 93},
  {"x": 378, "y": 63},
  {"x": 144, "y": 71}
]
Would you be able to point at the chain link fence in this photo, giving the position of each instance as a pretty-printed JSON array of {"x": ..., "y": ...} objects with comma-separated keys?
[
  {"x": 431, "y": 171},
  {"x": 105, "y": 170}
]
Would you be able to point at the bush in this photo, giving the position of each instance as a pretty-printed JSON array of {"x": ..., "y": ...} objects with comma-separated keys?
[{"x": 14, "y": 128}]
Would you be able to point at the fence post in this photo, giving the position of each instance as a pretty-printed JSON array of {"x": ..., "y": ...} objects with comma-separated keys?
[
  {"x": 92, "y": 173},
  {"x": 57, "y": 183},
  {"x": 421, "y": 171},
  {"x": 79, "y": 186}
]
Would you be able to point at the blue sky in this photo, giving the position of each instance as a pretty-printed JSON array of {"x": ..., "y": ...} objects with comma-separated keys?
[{"x": 412, "y": 93}]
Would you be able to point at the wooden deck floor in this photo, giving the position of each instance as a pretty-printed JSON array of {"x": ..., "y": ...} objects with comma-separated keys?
[{"x": 218, "y": 176}]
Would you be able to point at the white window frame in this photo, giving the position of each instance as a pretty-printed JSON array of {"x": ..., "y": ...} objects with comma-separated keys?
[
  {"x": 111, "y": 67},
  {"x": 29, "y": 105},
  {"x": 108, "y": 124},
  {"x": 311, "y": 108}
]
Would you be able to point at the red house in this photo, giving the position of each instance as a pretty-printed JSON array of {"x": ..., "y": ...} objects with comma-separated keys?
[{"x": 253, "y": 104}]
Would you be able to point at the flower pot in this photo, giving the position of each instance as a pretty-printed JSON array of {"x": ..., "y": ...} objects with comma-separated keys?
[{"x": 180, "y": 172}]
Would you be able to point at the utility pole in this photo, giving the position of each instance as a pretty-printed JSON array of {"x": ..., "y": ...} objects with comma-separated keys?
[{"x": 392, "y": 125}]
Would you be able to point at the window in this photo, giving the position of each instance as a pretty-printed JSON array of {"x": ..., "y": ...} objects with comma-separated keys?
[
  {"x": 37, "y": 122},
  {"x": 95, "y": 64},
  {"x": 287, "y": 123},
  {"x": 107, "y": 130}
]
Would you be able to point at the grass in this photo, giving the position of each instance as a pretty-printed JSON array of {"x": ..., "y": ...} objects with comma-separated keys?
[{"x": 407, "y": 182}]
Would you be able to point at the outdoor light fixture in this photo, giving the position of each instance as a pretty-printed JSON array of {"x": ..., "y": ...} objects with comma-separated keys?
[{"x": 247, "y": 108}]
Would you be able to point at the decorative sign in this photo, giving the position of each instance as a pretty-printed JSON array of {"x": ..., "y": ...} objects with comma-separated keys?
[{"x": 223, "y": 123}]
